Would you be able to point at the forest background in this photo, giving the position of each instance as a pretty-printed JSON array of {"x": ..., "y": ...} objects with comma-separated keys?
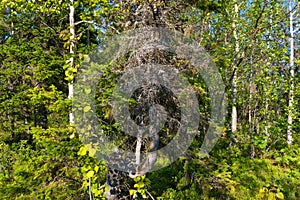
[{"x": 255, "y": 46}]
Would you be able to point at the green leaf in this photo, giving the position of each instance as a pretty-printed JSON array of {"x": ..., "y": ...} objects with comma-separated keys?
[
  {"x": 139, "y": 185},
  {"x": 82, "y": 151},
  {"x": 132, "y": 192},
  {"x": 87, "y": 90},
  {"x": 137, "y": 179},
  {"x": 280, "y": 195},
  {"x": 72, "y": 135},
  {"x": 87, "y": 108},
  {"x": 90, "y": 174},
  {"x": 92, "y": 152}
]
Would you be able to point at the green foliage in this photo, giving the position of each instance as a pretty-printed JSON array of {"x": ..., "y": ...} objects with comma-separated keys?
[
  {"x": 41, "y": 156},
  {"x": 139, "y": 187}
]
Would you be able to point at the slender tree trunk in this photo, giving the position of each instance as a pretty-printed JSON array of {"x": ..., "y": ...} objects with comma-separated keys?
[
  {"x": 267, "y": 100},
  {"x": 251, "y": 90},
  {"x": 267, "y": 121},
  {"x": 234, "y": 79},
  {"x": 292, "y": 74},
  {"x": 138, "y": 150},
  {"x": 72, "y": 46}
]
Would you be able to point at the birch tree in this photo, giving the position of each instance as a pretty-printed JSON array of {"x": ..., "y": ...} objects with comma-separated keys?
[
  {"x": 293, "y": 10},
  {"x": 72, "y": 46},
  {"x": 234, "y": 77}
]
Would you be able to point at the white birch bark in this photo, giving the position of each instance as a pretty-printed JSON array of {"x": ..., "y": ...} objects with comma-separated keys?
[
  {"x": 292, "y": 74},
  {"x": 72, "y": 46},
  {"x": 234, "y": 79}
]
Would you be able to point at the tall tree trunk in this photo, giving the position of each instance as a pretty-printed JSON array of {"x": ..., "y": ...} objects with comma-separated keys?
[
  {"x": 250, "y": 120},
  {"x": 234, "y": 79},
  {"x": 267, "y": 120},
  {"x": 72, "y": 46},
  {"x": 292, "y": 74}
]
